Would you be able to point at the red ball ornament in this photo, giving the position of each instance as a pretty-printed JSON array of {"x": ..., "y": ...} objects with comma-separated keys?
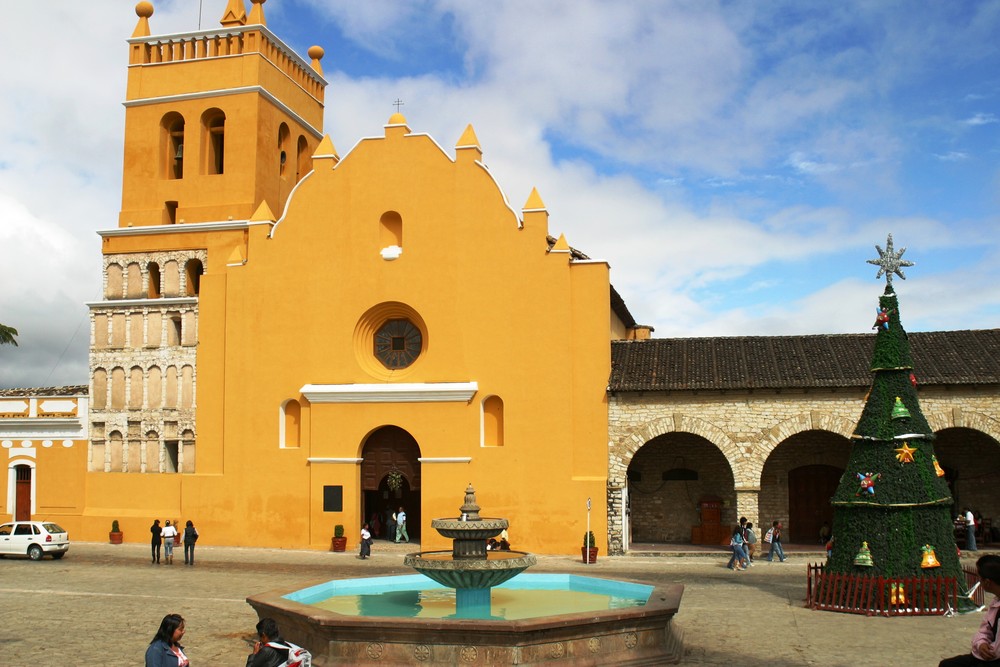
[{"x": 913, "y": 379}]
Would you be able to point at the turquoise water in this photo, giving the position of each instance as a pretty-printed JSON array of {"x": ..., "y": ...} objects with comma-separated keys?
[{"x": 524, "y": 596}]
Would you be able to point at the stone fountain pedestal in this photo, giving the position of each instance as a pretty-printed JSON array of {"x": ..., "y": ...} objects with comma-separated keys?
[{"x": 470, "y": 568}]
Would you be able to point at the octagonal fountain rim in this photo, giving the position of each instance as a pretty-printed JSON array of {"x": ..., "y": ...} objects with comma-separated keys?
[{"x": 663, "y": 601}]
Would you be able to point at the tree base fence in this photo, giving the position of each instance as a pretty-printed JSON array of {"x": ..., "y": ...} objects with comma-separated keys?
[{"x": 885, "y": 596}]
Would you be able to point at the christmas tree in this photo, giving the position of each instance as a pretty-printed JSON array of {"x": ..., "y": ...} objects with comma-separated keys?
[{"x": 893, "y": 495}]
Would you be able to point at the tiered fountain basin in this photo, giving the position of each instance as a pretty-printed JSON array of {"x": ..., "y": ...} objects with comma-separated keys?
[
  {"x": 555, "y": 619},
  {"x": 472, "y": 606}
]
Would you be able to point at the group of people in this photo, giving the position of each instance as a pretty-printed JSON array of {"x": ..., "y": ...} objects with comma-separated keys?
[
  {"x": 396, "y": 526},
  {"x": 269, "y": 650},
  {"x": 166, "y": 536},
  {"x": 503, "y": 544},
  {"x": 743, "y": 543},
  {"x": 396, "y": 531}
]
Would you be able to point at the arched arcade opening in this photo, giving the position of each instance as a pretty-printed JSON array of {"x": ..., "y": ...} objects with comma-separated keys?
[
  {"x": 799, "y": 477},
  {"x": 667, "y": 479}
]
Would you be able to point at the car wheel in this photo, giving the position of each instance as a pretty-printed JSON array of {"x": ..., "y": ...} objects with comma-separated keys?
[
  {"x": 59, "y": 554},
  {"x": 35, "y": 552}
]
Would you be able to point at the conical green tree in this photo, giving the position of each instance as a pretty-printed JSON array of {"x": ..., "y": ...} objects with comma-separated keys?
[{"x": 891, "y": 495}]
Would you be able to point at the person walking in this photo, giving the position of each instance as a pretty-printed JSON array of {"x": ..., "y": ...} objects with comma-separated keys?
[
  {"x": 775, "y": 535},
  {"x": 165, "y": 649},
  {"x": 366, "y": 542},
  {"x": 736, "y": 544},
  {"x": 168, "y": 534},
  {"x": 155, "y": 541},
  {"x": 750, "y": 543},
  {"x": 190, "y": 537},
  {"x": 401, "y": 526}
]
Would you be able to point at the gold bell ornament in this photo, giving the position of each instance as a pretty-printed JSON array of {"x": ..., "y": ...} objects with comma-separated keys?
[
  {"x": 930, "y": 558},
  {"x": 938, "y": 470},
  {"x": 899, "y": 410},
  {"x": 864, "y": 557},
  {"x": 898, "y": 594}
]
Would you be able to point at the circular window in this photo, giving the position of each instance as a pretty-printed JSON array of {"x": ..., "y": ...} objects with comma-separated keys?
[
  {"x": 389, "y": 340},
  {"x": 397, "y": 343}
]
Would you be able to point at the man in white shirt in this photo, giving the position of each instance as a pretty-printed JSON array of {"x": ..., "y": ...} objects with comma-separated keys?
[
  {"x": 970, "y": 527},
  {"x": 401, "y": 526}
]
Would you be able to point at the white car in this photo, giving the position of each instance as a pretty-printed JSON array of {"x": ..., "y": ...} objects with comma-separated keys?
[{"x": 33, "y": 539}]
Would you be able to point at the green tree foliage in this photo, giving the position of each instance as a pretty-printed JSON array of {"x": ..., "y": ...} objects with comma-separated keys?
[
  {"x": 7, "y": 335},
  {"x": 911, "y": 505}
]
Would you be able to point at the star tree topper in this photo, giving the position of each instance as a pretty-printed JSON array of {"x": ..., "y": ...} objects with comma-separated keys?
[{"x": 889, "y": 262}]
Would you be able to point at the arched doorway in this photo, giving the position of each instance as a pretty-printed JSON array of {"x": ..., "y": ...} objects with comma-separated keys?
[
  {"x": 798, "y": 480},
  {"x": 667, "y": 478},
  {"x": 809, "y": 491},
  {"x": 22, "y": 493},
  {"x": 971, "y": 460},
  {"x": 391, "y": 453}
]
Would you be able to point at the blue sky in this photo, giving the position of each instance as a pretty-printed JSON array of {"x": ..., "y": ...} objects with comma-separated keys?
[{"x": 734, "y": 162}]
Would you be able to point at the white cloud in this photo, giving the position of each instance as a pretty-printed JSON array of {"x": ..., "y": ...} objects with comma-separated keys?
[
  {"x": 716, "y": 154},
  {"x": 982, "y": 119}
]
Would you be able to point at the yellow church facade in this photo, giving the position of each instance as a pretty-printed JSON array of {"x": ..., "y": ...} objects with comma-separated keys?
[{"x": 292, "y": 339}]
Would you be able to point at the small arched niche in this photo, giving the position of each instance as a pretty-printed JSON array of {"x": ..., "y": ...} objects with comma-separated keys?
[
  {"x": 291, "y": 424},
  {"x": 492, "y": 424},
  {"x": 391, "y": 235}
]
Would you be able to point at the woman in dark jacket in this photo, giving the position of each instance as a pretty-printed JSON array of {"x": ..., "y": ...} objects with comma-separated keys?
[
  {"x": 156, "y": 541},
  {"x": 190, "y": 537},
  {"x": 165, "y": 649}
]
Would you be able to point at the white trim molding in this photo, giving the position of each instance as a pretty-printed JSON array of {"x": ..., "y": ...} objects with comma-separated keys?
[
  {"x": 445, "y": 459},
  {"x": 325, "y": 459},
  {"x": 410, "y": 392}
]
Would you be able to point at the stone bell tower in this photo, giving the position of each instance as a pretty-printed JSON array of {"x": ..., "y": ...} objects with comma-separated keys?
[{"x": 220, "y": 124}]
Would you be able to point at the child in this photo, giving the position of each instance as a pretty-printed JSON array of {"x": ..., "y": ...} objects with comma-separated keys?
[{"x": 985, "y": 643}]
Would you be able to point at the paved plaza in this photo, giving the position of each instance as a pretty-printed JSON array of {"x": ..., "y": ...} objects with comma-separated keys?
[{"x": 101, "y": 605}]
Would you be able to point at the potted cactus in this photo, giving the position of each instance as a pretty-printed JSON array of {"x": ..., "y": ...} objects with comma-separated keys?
[
  {"x": 115, "y": 536},
  {"x": 589, "y": 549},
  {"x": 339, "y": 542}
]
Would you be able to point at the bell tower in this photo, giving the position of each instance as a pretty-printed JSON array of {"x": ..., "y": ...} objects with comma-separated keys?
[
  {"x": 220, "y": 125},
  {"x": 216, "y": 121}
]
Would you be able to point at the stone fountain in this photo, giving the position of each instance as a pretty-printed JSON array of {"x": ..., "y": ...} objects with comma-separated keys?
[
  {"x": 469, "y": 567},
  {"x": 639, "y": 633}
]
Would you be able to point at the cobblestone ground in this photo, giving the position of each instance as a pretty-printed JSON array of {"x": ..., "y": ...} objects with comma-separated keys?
[{"x": 101, "y": 605}]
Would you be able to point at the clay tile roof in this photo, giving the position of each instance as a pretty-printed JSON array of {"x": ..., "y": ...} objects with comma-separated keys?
[
  {"x": 72, "y": 390},
  {"x": 796, "y": 362}
]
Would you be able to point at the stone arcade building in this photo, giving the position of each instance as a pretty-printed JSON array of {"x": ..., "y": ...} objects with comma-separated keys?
[{"x": 764, "y": 423}]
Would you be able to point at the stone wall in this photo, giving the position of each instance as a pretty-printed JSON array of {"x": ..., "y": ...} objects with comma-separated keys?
[{"x": 743, "y": 445}]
